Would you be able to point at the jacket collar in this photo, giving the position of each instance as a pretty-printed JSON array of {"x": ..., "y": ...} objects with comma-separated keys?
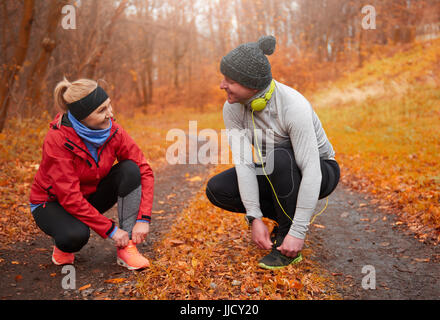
[
  {"x": 65, "y": 122},
  {"x": 71, "y": 135}
]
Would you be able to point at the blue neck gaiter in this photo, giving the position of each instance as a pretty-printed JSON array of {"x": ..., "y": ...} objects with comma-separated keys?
[{"x": 93, "y": 139}]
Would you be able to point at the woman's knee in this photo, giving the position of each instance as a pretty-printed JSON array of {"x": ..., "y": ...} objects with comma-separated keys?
[
  {"x": 131, "y": 177},
  {"x": 73, "y": 239}
]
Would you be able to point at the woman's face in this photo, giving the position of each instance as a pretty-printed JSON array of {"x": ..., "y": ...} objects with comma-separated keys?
[
  {"x": 235, "y": 91},
  {"x": 100, "y": 118}
]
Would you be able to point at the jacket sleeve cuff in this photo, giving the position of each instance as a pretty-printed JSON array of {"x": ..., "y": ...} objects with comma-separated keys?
[
  {"x": 300, "y": 224},
  {"x": 257, "y": 214},
  {"x": 113, "y": 232},
  {"x": 297, "y": 234},
  {"x": 143, "y": 220}
]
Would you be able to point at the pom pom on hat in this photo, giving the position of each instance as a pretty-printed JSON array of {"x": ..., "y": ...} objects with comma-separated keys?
[{"x": 267, "y": 44}]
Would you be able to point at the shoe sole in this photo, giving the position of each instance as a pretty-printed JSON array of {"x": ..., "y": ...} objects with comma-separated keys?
[
  {"x": 122, "y": 263},
  {"x": 295, "y": 261},
  {"x": 60, "y": 264}
]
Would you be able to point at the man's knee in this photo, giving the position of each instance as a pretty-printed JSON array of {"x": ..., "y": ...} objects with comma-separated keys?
[
  {"x": 211, "y": 190},
  {"x": 282, "y": 159},
  {"x": 218, "y": 192}
]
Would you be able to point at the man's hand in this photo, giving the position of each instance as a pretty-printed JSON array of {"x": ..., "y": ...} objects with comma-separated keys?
[
  {"x": 291, "y": 246},
  {"x": 140, "y": 232},
  {"x": 121, "y": 238},
  {"x": 260, "y": 234}
]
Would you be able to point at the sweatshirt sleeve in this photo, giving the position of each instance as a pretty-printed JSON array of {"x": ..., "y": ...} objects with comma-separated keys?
[
  {"x": 241, "y": 149},
  {"x": 66, "y": 187},
  {"x": 300, "y": 126},
  {"x": 129, "y": 150}
]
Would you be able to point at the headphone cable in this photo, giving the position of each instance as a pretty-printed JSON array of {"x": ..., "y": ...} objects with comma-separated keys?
[{"x": 267, "y": 177}]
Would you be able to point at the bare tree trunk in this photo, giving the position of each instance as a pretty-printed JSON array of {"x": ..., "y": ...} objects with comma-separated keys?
[
  {"x": 144, "y": 88},
  {"x": 35, "y": 82},
  {"x": 150, "y": 80},
  {"x": 5, "y": 26},
  {"x": 360, "y": 50},
  {"x": 89, "y": 67},
  {"x": 20, "y": 51}
]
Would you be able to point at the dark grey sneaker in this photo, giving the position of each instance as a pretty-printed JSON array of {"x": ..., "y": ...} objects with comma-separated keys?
[{"x": 276, "y": 260}]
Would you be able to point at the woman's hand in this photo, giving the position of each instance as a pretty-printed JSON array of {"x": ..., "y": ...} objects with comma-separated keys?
[
  {"x": 291, "y": 246},
  {"x": 121, "y": 238},
  {"x": 140, "y": 232},
  {"x": 260, "y": 234}
]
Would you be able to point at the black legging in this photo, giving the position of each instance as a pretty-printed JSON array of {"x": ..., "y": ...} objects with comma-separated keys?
[
  {"x": 223, "y": 191},
  {"x": 69, "y": 233}
]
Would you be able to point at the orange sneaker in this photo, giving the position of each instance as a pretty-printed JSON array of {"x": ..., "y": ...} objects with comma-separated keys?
[
  {"x": 60, "y": 258},
  {"x": 130, "y": 257}
]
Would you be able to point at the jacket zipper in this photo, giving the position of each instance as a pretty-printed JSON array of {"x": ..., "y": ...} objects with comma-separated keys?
[
  {"x": 105, "y": 143},
  {"x": 97, "y": 165},
  {"x": 100, "y": 152}
]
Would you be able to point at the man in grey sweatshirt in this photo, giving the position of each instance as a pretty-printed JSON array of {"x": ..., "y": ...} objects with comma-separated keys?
[{"x": 296, "y": 163}]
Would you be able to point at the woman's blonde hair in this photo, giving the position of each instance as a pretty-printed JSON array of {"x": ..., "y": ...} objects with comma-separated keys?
[{"x": 67, "y": 92}]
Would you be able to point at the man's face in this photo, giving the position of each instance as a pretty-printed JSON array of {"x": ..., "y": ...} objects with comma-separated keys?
[{"x": 235, "y": 91}]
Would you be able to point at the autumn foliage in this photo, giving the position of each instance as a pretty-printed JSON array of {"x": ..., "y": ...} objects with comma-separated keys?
[
  {"x": 382, "y": 121},
  {"x": 377, "y": 96}
]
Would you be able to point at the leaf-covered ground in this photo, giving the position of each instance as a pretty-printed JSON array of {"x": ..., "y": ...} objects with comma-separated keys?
[{"x": 208, "y": 254}]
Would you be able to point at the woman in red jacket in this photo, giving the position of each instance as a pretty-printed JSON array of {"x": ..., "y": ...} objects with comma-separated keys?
[{"x": 77, "y": 180}]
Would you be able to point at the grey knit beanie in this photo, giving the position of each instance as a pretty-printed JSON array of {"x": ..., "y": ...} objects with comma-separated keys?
[{"x": 248, "y": 65}]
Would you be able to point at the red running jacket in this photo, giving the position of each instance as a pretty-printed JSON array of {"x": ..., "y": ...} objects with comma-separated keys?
[{"x": 69, "y": 174}]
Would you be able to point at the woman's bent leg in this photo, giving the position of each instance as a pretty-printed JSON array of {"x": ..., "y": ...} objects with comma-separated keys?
[
  {"x": 69, "y": 233},
  {"x": 123, "y": 186}
]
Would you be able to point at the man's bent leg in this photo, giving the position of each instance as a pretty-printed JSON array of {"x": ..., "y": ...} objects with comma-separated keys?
[{"x": 223, "y": 192}]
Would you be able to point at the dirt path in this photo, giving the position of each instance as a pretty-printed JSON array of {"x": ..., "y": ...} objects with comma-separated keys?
[
  {"x": 356, "y": 235},
  {"x": 28, "y": 273}
]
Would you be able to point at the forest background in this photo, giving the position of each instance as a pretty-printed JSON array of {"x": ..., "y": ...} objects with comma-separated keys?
[{"x": 371, "y": 71}]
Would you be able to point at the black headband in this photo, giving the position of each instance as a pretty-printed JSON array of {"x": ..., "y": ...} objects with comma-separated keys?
[{"x": 82, "y": 108}]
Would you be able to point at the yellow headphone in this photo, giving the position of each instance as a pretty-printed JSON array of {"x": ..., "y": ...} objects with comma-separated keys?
[{"x": 260, "y": 103}]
